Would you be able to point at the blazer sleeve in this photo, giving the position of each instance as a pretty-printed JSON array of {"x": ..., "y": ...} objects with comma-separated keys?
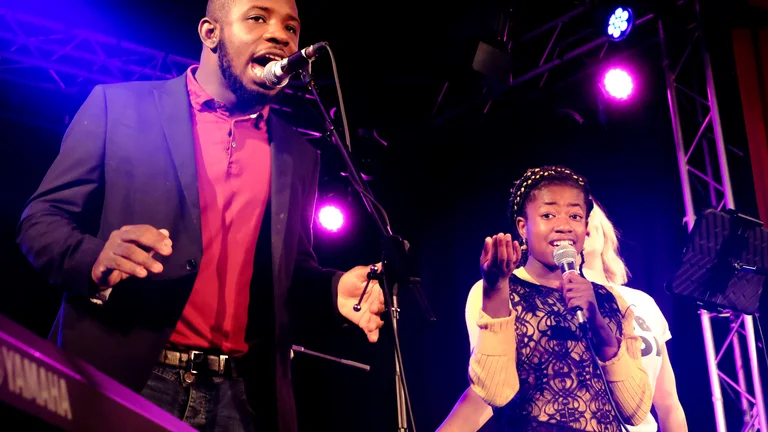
[
  {"x": 313, "y": 287},
  {"x": 59, "y": 223}
]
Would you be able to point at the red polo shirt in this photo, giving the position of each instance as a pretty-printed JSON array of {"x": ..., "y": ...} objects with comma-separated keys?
[{"x": 233, "y": 177}]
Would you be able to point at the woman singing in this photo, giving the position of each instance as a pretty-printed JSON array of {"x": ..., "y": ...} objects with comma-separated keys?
[{"x": 531, "y": 361}]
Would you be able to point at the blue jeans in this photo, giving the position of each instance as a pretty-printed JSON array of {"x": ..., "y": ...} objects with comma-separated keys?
[{"x": 209, "y": 403}]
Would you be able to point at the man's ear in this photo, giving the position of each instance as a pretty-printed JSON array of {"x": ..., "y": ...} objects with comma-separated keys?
[{"x": 209, "y": 33}]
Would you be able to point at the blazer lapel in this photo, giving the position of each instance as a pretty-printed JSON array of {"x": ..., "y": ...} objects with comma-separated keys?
[
  {"x": 282, "y": 174},
  {"x": 174, "y": 109}
]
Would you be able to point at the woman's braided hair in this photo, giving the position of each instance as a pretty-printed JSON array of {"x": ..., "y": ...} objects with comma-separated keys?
[{"x": 538, "y": 178}]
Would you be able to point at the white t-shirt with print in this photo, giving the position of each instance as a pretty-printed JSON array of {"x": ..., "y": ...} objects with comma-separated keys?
[{"x": 653, "y": 330}]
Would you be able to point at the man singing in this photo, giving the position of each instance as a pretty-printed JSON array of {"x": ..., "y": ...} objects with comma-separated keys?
[{"x": 177, "y": 221}]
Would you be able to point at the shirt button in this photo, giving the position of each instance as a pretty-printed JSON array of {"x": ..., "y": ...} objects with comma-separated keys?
[
  {"x": 234, "y": 144},
  {"x": 191, "y": 265}
]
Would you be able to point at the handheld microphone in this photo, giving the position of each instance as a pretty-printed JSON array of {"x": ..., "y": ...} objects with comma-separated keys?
[
  {"x": 565, "y": 257},
  {"x": 277, "y": 73}
]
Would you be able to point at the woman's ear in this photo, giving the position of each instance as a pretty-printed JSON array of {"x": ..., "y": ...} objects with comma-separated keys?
[{"x": 521, "y": 228}]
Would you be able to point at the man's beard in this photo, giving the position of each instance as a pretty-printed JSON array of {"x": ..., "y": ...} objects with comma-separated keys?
[{"x": 246, "y": 99}]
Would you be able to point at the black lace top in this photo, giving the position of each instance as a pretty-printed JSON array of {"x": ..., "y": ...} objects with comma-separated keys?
[{"x": 560, "y": 385}]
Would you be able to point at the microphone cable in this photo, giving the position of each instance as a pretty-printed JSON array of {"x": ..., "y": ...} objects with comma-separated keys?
[{"x": 586, "y": 334}]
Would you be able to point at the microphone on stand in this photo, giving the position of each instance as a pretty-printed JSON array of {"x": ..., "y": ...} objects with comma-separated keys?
[
  {"x": 565, "y": 257},
  {"x": 277, "y": 73}
]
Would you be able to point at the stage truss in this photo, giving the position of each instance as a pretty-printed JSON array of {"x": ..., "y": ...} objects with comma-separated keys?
[
  {"x": 697, "y": 157},
  {"x": 712, "y": 169},
  {"x": 49, "y": 55}
]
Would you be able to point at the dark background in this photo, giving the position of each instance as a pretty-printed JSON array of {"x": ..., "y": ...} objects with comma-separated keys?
[{"x": 443, "y": 175}]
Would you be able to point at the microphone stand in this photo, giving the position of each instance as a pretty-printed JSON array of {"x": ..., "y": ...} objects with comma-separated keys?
[{"x": 394, "y": 251}]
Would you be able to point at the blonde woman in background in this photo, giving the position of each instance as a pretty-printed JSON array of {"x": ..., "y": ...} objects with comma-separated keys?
[{"x": 603, "y": 265}]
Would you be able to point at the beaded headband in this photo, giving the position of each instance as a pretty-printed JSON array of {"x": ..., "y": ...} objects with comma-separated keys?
[{"x": 535, "y": 176}]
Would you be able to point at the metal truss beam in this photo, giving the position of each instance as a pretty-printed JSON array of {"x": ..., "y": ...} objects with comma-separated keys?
[
  {"x": 70, "y": 58},
  {"x": 52, "y": 56},
  {"x": 700, "y": 162}
]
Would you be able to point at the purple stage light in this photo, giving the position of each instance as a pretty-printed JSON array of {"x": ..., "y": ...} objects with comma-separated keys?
[
  {"x": 330, "y": 218},
  {"x": 618, "y": 83}
]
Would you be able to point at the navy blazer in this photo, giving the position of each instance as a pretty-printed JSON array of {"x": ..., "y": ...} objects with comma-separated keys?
[{"x": 128, "y": 158}]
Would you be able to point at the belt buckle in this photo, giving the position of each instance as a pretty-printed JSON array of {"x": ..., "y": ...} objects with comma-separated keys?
[
  {"x": 190, "y": 374},
  {"x": 222, "y": 363}
]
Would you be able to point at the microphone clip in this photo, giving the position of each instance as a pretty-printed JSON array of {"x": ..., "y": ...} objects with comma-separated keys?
[{"x": 373, "y": 274}]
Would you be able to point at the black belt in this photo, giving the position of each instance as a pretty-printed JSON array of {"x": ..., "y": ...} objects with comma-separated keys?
[{"x": 198, "y": 361}]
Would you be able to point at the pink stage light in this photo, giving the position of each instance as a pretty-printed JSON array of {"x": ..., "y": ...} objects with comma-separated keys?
[
  {"x": 618, "y": 83},
  {"x": 331, "y": 218}
]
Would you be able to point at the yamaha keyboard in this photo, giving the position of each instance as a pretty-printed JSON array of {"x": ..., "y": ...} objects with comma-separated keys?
[{"x": 44, "y": 389}]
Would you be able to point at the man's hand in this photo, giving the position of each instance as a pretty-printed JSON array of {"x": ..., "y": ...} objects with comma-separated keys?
[
  {"x": 128, "y": 252},
  {"x": 350, "y": 288}
]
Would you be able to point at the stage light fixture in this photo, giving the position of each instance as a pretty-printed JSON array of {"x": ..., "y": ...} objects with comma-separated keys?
[
  {"x": 330, "y": 218},
  {"x": 618, "y": 83},
  {"x": 620, "y": 23}
]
